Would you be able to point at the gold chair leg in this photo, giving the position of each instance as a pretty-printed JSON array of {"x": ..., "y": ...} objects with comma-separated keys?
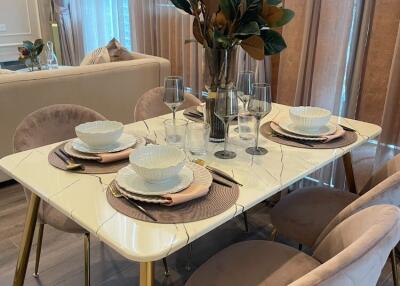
[
  {"x": 274, "y": 234},
  {"x": 394, "y": 267},
  {"x": 87, "y": 258},
  {"x": 38, "y": 250},
  {"x": 146, "y": 273},
  {"x": 166, "y": 270},
  {"x": 26, "y": 242}
]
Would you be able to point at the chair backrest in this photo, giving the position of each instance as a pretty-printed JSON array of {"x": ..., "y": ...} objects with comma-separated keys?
[
  {"x": 392, "y": 166},
  {"x": 386, "y": 192},
  {"x": 51, "y": 124},
  {"x": 151, "y": 104},
  {"x": 355, "y": 251}
]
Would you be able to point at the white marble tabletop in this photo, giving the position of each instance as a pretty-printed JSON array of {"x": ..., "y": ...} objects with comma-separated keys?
[{"x": 83, "y": 199}]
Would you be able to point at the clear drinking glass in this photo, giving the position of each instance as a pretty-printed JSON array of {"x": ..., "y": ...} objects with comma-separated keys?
[
  {"x": 198, "y": 136},
  {"x": 245, "y": 87},
  {"x": 52, "y": 62},
  {"x": 247, "y": 125},
  {"x": 175, "y": 132},
  {"x": 259, "y": 106},
  {"x": 173, "y": 92},
  {"x": 226, "y": 109}
]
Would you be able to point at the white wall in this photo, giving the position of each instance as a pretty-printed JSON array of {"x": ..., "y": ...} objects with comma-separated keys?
[{"x": 21, "y": 20}]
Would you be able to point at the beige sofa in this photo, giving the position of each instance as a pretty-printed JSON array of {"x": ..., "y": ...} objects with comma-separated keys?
[{"x": 111, "y": 89}]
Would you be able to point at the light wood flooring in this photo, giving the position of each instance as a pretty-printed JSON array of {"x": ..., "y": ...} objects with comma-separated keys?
[{"x": 62, "y": 254}]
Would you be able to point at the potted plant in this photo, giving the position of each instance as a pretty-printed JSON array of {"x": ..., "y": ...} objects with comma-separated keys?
[
  {"x": 29, "y": 53},
  {"x": 220, "y": 26}
]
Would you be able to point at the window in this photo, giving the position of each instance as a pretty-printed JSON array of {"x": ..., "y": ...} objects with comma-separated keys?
[{"x": 104, "y": 20}]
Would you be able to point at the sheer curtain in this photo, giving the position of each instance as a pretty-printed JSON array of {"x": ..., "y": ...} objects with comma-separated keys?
[{"x": 104, "y": 20}]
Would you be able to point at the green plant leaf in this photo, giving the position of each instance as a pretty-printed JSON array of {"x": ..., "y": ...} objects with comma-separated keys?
[
  {"x": 229, "y": 8},
  {"x": 28, "y": 45},
  {"x": 38, "y": 43},
  {"x": 273, "y": 42},
  {"x": 183, "y": 5},
  {"x": 253, "y": 8},
  {"x": 247, "y": 29},
  {"x": 254, "y": 46}
]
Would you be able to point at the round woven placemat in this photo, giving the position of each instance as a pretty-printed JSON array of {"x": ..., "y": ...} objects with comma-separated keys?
[
  {"x": 91, "y": 167},
  {"x": 218, "y": 200},
  {"x": 200, "y": 119},
  {"x": 348, "y": 139}
]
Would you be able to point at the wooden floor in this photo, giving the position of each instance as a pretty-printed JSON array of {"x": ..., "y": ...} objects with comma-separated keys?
[{"x": 62, "y": 254}]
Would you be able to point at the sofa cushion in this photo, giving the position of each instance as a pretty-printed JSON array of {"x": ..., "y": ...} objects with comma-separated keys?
[
  {"x": 98, "y": 56},
  {"x": 5, "y": 71},
  {"x": 117, "y": 52}
]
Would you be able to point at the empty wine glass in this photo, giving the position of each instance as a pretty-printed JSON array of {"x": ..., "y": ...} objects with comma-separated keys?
[
  {"x": 226, "y": 109},
  {"x": 259, "y": 106},
  {"x": 245, "y": 87},
  {"x": 173, "y": 92}
]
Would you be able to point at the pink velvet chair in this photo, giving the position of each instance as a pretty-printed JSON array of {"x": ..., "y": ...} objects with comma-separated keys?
[
  {"x": 151, "y": 104},
  {"x": 46, "y": 126},
  {"x": 353, "y": 253},
  {"x": 308, "y": 214}
]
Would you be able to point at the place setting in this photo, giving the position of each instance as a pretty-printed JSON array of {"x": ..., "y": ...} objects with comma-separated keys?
[
  {"x": 160, "y": 185},
  {"x": 101, "y": 147},
  {"x": 308, "y": 127}
]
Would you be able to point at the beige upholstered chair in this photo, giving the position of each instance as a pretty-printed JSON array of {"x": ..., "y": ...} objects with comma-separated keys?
[
  {"x": 307, "y": 215},
  {"x": 352, "y": 254},
  {"x": 151, "y": 104},
  {"x": 45, "y": 126}
]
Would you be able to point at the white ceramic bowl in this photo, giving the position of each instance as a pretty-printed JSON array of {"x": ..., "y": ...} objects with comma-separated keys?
[
  {"x": 98, "y": 134},
  {"x": 308, "y": 117},
  {"x": 157, "y": 163}
]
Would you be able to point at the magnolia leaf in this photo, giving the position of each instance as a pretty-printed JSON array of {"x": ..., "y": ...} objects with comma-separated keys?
[
  {"x": 273, "y": 42},
  {"x": 198, "y": 35},
  {"x": 183, "y": 5},
  {"x": 247, "y": 29},
  {"x": 252, "y": 10},
  {"x": 38, "y": 42},
  {"x": 275, "y": 16},
  {"x": 229, "y": 8},
  {"x": 27, "y": 44},
  {"x": 211, "y": 6},
  {"x": 254, "y": 46}
]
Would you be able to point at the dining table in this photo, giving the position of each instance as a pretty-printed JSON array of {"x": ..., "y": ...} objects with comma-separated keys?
[{"x": 82, "y": 197}]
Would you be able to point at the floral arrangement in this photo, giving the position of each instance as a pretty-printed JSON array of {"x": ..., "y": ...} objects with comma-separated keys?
[
  {"x": 223, "y": 24},
  {"x": 29, "y": 53}
]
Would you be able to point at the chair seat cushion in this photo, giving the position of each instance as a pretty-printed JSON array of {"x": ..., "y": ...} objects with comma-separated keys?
[
  {"x": 253, "y": 263},
  {"x": 302, "y": 215}
]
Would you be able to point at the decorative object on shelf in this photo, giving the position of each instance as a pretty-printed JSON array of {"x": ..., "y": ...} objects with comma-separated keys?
[
  {"x": 29, "y": 54},
  {"x": 221, "y": 26}
]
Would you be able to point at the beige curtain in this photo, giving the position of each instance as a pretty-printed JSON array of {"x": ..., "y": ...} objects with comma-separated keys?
[
  {"x": 69, "y": 19},
  {"x": 343, "y": 55},
  {"x": 159, "y": 29}
]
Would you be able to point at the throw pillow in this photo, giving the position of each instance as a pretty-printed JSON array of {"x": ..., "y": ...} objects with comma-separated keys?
[
  {"x": 98, "y": 56},
  {"x": 117, "y": 52}
]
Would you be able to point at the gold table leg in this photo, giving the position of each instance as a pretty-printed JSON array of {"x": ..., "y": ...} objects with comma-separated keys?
[
  {"x": 348, "y": 168},
  {"x": 146, "y": 273},
  {"x": 26, "y": 243}
]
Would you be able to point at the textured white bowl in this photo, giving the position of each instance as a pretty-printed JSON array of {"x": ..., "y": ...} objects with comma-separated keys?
[
  {"x": 98, "y": 134},
  {"x": 308, "y": 117},
  {"x": 157, "y": 163}
]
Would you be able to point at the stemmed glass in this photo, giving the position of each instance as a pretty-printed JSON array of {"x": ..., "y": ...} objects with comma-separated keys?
[
  {"x": 245, "y": 87},
  {"x": 173, "y": 92},
  {"x": 259, "y": 106},
  {"x": 226, "y": 109}
]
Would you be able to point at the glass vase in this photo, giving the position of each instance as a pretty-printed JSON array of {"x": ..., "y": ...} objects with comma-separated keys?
[{"x": 219, "y": 70}]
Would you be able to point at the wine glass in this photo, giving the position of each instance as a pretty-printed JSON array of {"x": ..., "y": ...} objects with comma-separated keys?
[
  {"x": 173, "y": 92},
  {"x": 245, "y": 87},
  {"x": 259, "y": 106},
  {"x": 226, "y": 109}
]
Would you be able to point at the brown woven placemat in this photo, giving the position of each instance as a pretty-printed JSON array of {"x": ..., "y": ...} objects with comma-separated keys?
[
  {"x": 218, "y": 200},
  {"x": 200, "y": 119},
  {"x": 91, "y": 167},
  {"x": 348, "y": 139}
]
